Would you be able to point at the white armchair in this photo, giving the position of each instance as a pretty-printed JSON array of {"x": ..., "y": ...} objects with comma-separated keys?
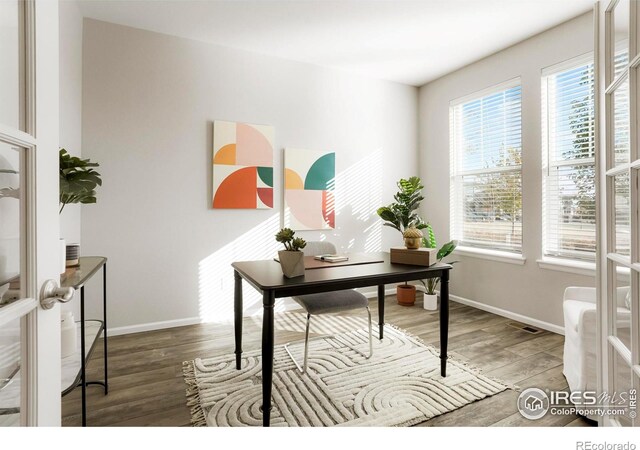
[{"x": 580, "y": 318}]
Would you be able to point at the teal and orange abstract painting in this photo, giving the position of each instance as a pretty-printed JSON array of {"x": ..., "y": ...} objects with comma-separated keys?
[
  {"x": 309, "y": 188},
  {"x": 242, "y": 165}
]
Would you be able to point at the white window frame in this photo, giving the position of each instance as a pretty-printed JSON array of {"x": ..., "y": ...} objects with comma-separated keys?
[
  {"x": 455, "y": 186},
  {"x": 584, "y": 262}
]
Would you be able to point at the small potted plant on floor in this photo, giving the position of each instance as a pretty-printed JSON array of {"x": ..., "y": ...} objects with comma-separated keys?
[
  {"x": 431, "y": 284},
  {"x": 291, "y": 258}
]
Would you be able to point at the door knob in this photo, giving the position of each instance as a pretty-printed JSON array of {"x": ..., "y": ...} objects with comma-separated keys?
[{"x": 51, "y": 294}]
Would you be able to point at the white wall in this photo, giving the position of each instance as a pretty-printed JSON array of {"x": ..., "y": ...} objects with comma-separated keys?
[
  {"x": 70, "y": 102},
  {"x": 527, "y": 290},
  {"x": 149, "y": 101}
]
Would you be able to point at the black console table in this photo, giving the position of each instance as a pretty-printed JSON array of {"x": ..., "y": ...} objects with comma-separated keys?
[{"x": 89, "y": 330}]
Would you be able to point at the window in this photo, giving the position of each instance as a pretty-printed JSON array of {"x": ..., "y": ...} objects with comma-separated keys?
[
  {"x": 486, "y": 174},
  {"x": 569, "y": 195}
]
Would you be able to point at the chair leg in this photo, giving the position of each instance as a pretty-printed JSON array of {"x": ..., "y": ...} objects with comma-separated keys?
[
  {"x": 370, "y": 340},
  {"x": 306, "y": 344},
  {"x": 302, "y": 369}
]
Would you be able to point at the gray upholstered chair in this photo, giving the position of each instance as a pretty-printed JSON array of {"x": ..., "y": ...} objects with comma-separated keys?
[{"x": 328, "y": 302}]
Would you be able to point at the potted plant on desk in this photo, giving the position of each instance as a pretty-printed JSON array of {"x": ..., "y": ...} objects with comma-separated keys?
[{"x": 291, "y": 258}]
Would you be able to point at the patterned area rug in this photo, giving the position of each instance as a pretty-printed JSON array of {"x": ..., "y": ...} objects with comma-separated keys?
[{"x": 400, "y": 385}]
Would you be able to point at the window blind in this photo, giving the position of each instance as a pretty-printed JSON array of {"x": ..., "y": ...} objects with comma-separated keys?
[
  {"x": 569, "y": 197},
  {"x": 486, "y": 176}
]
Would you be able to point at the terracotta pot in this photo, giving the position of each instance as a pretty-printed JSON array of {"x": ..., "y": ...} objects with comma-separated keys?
[
  {"x": 431, "y": 302},
  {"x": 292, "y": 263},
  {"x": 406, "y": 294}
]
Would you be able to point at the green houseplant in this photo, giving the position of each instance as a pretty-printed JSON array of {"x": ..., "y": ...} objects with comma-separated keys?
[
  {"x": 431, "y": 284},
  {"x": 402, "y": 214},
  {"x": 291, "y": 258},
  {"x": 78, "y": 180}
]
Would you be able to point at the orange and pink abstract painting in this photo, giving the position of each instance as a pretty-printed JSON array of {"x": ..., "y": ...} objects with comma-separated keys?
[
  {"x": 309, "y": 187},
  {"x": 242, "y": 165}
]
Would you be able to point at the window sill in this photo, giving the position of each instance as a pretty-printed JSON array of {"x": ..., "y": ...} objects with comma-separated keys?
[
  {"x": 568, "y": 265},
  {"x": 491, "y": 255}
]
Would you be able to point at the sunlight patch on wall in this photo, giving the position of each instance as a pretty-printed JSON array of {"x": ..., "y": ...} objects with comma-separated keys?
[
  {"x": 359, "y": 195},
  {"x": 216, "y": 274}
]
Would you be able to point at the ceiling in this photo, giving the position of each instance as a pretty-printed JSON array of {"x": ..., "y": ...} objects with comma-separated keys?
[{"x": 407, "y": 41}]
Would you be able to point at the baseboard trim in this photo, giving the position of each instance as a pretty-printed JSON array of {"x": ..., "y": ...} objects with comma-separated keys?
[
  {"x": 509, "y": 314},
  {"x": 373, "y": 294},
  {"x": 131, "y": 329}
]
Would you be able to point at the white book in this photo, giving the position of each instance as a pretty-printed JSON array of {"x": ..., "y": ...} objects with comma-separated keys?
[{"x": 331, "y": 258}]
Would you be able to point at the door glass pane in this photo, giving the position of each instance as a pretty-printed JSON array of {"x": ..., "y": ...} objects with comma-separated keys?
[
  {"x": 621, "y": 36},
  {"x": 11, "y": 68},
  {"x": 622, "y": 389},
  {"x": 621, "y": 143},
  {"x": 622, "y": 217},
  {"x": 10, "y": 214},
  {"x": 10, "y": 374},
  {"x": 621, "y": 304}
]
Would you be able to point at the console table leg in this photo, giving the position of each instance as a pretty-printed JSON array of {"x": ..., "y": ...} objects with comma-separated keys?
[
  {"x": 444, "y": 320},
  {"x": 237, "y": 315},
  {"x": 104, "y": 312},
  {"x": 268, "y": 301},
  {"x": 82, "y": 360},
  {"x": 381, "y": 310}
]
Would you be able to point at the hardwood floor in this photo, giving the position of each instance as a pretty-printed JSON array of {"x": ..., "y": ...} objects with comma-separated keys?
[{"x": 146, "y": 387}]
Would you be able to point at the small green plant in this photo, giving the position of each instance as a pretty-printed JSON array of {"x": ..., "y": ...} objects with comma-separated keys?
[
  {"x": 431, "y": 284},
  {"x": 78, "y": 181},
  {"x": 291, "y": 243}
]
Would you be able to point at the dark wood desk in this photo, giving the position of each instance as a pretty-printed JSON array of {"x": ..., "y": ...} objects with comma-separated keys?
[{"x": 266, "y": 277}]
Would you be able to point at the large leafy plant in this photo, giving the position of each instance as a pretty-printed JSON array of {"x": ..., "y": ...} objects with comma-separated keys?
[
  {"x": 78, "y": 180},
  {"x": 403, "y": 213}
]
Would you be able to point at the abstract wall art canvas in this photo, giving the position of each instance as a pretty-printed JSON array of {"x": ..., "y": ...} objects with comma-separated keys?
[
  {"x": 309, "y": 187},
  {"x": 242, "y": 165}
]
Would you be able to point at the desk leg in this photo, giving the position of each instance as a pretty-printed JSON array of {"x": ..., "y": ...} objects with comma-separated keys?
[
  {"x": 83, "y": 374},
  {"x": 104, "y": 312},
  {"x": 444, "y": 321},
  {"x": 268, "y": 301},
  {"x": 381, "y": 309},
  {"x": 237, "y": 314}
]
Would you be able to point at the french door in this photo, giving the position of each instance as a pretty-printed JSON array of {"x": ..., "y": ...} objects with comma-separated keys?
[
  {"x": 29, "y": 225},
  {"x": 618, "y": 62}
]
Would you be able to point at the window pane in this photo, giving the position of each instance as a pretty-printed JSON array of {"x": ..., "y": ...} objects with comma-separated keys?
[
  {"x": 570, "y": 225},
  {"x": 10, "y": 374},
  {"x": 492, "y": 214},
  {"x": 10, "y": 214},
  {"x": 621, "y": 144},
  {"x": 491, "y": 135},
  {"x": 11, "y": 48},
  {"x": 621, "y": 36},
  {"x": 486, "y": 141},
  {"x": 622, "y": 217},
  {"x": 569, "y": 189}
]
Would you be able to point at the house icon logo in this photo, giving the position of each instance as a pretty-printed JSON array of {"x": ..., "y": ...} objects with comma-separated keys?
[{"x": 533, "y": 403}]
